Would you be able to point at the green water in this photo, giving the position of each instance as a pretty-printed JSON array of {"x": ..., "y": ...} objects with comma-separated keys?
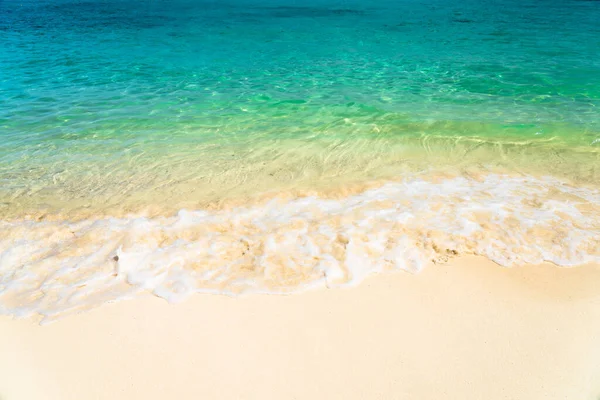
[{"x": 111, "y": 103}]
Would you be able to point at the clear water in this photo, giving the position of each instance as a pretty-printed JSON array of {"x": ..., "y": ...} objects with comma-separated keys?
[
  {"x": 418, "y": 129},
  {"x": 114, "y": 102}
]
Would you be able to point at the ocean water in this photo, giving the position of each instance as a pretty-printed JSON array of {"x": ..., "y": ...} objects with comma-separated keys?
[{"x": 270, "y": 146}]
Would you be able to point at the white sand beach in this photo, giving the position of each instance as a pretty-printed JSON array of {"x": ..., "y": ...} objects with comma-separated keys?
[{"x": 468, "y": 329}]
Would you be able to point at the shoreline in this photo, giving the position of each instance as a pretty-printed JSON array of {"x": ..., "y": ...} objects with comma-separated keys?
[
  {"x": 57, "y": 267},
  {"x": 469, "y": 329}
]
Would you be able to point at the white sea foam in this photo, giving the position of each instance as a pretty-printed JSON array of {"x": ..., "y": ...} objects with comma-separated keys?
[{"x": 56, "y": 267}]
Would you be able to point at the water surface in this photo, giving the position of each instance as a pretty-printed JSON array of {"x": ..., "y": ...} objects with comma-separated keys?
[
  {"x": 269, "y": 146},
  {"x": 112, "y": 102}
]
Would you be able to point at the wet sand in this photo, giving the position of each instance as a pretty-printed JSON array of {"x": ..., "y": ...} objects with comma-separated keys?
[{"x": 468, "y": 329}]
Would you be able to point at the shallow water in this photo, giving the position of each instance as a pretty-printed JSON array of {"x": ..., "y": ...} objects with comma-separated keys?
[
  {"x": 110, "y": 101},
  {"x": 128, "y": 110}
]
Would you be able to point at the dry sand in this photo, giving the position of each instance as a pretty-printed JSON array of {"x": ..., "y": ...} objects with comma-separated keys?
[{"x": 466, "y": 330}]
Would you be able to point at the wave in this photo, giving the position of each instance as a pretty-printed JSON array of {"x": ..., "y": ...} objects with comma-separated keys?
[{"x": 54, "y": 268}]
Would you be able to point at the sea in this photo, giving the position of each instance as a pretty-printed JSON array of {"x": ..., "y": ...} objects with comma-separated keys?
[{"x": 274, "y": 146}]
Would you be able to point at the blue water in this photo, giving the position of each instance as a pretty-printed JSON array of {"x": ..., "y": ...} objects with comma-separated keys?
[
  {"x": 97, "y": 93},
  {"x": 187, "y": 146}
]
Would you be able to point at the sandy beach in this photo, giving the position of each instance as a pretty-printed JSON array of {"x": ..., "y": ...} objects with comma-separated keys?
[{"x": 468, "y": 329}]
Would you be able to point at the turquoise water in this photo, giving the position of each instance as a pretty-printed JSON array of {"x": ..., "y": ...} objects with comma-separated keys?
[
  {"x": 119, "y": 98},
  {"x": 187, "y": 146}
]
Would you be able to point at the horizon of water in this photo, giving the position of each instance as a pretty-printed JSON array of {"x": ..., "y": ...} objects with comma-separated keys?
[{"x": 131, "y": 132}]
